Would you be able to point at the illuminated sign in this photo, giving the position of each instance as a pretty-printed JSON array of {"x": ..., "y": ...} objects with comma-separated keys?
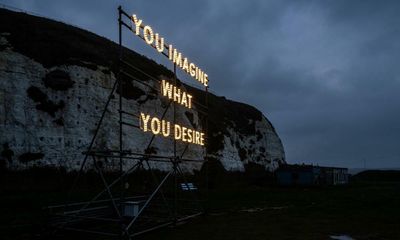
[
  {"x": 168, "y": 90},
  {"x": 155, "y": 40},
  {"x": 176, "y": 94},
  {"x": 163, "y": 127}
]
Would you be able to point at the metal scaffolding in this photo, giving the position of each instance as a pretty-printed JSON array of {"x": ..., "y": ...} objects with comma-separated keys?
[{"x": 167, "y": 198}]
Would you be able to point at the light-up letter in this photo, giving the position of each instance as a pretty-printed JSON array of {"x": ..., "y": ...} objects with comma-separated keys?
[
  {"x": 170, "y": 52},
  {"x": 205, "y": 80},
  {"x": 177, "y": 94},
  {"x": 202, "y": 139},
  {"x": 155, "y": 126},
  {"x": 148, "y": 34},
  {"x": 189, "y": 100},
  {"x": 190, "y": 132},
  {"x": 184, "y": 99},
  {"x": 192, "y": 70},
  {"x": 185, "y": 64},
  {"x": 137, "y": 23},
  {"x": 166, "y": 89},
  {"x": 145, "y": 120},
  {"x": 184, "y": 133},
  {"x": 201, "y": 76},
  {"x": 177, "y": 132},
  {"x": 177, "y": 59},
  {"x": 165, "y": 128},
  {"x": 197, "y": 138},
  {"x": 159, "y": 43}
]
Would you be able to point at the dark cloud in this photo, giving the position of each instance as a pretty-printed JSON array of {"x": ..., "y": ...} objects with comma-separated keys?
[{"x": 326, "y": 73}]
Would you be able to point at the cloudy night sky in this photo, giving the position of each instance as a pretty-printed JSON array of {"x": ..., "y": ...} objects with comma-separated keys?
[{"x": 325, "y": 73}]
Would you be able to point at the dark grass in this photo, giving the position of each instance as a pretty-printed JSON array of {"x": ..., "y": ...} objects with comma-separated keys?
[{"x": 236, "y": 209}]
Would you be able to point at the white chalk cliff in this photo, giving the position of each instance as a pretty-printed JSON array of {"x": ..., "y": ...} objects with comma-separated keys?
[{"x": 53, "y": 89}]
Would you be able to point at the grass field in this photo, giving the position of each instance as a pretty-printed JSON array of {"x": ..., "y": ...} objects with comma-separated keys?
[{"x": 362, "y": 210}]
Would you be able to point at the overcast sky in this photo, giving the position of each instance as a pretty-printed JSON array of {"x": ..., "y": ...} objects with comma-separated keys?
[{"x": 326, "y": 73}]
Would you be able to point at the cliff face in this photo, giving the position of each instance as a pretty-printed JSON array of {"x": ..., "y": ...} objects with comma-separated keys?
[{"x": 55, "y": 79}]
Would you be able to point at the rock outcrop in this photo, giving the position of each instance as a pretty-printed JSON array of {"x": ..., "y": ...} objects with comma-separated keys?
[{"x": 55, "y": 79}]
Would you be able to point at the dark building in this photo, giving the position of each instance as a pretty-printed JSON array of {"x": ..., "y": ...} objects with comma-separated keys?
[{"x": 309, "y": 175}]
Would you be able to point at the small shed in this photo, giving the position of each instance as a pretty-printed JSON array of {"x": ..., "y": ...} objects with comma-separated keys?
[{"x": 310, "y": 175}]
